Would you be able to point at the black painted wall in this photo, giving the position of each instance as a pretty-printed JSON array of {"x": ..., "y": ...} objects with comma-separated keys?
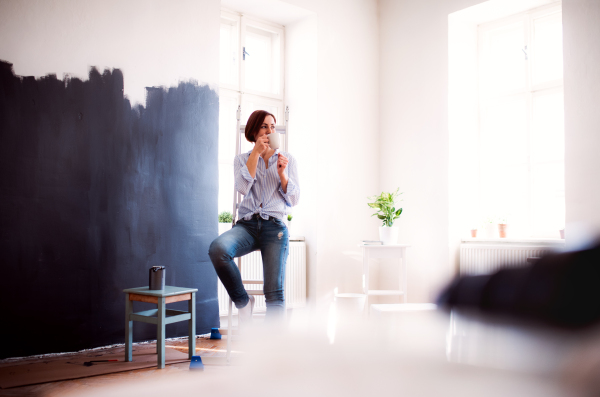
[{"x": 93, "y": 193}]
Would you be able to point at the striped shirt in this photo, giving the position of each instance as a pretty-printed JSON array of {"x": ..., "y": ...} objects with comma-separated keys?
[{"x": 265, "y": 188}]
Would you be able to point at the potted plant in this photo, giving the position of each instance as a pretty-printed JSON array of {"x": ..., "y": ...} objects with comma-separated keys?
[
  {"x": 474, "y": 231},
  {"x": 474, "y": 226},
  {"x": 225, "y": 220},
  {"x": 502, "y": 226},
  {"x": 385, "y": 204},
  {"x": 489, "y": 227}
]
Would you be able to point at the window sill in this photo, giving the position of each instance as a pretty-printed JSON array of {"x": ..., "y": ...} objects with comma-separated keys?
[{"x": 554, "y": 242}]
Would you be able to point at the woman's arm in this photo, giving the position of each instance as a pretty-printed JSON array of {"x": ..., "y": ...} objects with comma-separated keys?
[
  {"x": 261, "y": 145},
  {"x": 243, "y": 179},
  {"x": 282, "y": 163},
  {"x": 245, "y": 174}
]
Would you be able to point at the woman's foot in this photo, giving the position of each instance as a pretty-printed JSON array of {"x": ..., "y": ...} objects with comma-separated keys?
[{"x": 245, "y": 313}]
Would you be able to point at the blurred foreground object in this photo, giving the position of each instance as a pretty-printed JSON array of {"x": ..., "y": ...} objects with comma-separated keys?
[
  {"x": 405, "y": 356},
  {"x": 558, "y": 289}
]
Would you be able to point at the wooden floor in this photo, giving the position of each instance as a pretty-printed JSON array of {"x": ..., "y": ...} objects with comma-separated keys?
[{"x": 204, "y": 347}]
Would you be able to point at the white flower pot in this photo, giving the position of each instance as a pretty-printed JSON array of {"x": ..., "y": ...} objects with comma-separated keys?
[{"x": 389, "y": 235}]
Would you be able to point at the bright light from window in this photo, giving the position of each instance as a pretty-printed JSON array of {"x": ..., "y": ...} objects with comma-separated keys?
[
  {"x": 521, "y": 137},
  {"x": 547, "y": 42},
  {"x": 228, "y": 59},
  {"x": 263, "y": 60},
  {"x": 503, "y": 66}
]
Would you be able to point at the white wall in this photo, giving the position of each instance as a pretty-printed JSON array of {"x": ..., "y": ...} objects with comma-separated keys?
[
  {"x": 301, "y": 49},
  {"x": 581, "y": 49},
  {"x": 341, "y": 141},
  {"x": 414, "y": 143},
  {"x": 154, "y": 43}
]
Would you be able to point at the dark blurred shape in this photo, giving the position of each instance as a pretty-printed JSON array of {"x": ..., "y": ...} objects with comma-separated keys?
[{"x": 559, "y": 289}]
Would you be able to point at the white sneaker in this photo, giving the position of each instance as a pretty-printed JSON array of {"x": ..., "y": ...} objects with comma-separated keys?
[{"x": 245, "y": 313}]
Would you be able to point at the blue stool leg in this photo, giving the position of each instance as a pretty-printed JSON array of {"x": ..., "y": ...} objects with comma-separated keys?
[
  {"x": 128, "y": 329},
  {"x": 192, "y": 326},
  {"x": 160, "y": 334}
]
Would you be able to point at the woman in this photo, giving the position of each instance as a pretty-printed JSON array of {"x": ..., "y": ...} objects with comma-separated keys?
[{"x": 268, "y": 179}]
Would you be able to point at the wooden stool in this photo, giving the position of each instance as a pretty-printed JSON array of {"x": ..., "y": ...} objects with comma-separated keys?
[{"x": 160, "y": 316}]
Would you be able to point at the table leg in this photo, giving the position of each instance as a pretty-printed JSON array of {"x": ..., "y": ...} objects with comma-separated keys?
[
  {"x": 128, "y": 329},
  {"x": 192, "y": 326},
  {"x": 160, "y": 333},
  {"x": 365, "y": 280},
  {"x": 403, "y": 272},
  {"x": 229, "y": 329}
]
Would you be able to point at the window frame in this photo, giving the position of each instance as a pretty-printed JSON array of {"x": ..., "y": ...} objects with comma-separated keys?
[
  {"x": 529, "y": 91},
  {"x": 237, "y": 90},
  {"x": 247, "y": 21},
  {"x": 243, "y": 22}
]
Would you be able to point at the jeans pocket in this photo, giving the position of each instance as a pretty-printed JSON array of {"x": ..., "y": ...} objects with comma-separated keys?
[{"x": 278, "y": 222}]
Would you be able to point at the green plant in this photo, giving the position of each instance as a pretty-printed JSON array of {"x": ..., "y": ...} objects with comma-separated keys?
[
  {"x": 225, "y": 217},
  {"x": 503, "y": 217},
  {"x": 290, "y": 216},
  {"x": 385, "y": 204}
]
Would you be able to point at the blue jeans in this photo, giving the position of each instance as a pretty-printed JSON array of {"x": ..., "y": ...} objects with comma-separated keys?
[{"x": 268, "y": 236}]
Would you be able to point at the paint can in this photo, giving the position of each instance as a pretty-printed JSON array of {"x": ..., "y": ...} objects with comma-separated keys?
[{"x": 157, "y": 278}]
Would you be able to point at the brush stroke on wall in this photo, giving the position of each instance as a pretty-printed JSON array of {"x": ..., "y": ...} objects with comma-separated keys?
[{"x": 93, "y": 193}]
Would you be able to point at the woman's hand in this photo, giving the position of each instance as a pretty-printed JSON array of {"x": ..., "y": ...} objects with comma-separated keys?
[
  {"x": 261, "y": 145},
  {"x": 282, "y": 163}
]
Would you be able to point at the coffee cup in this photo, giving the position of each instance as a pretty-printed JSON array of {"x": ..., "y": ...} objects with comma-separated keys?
[{"x": 274, "y": 140}]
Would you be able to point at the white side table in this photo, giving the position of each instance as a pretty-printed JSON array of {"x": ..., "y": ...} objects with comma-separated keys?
[{"x": 385, "y": 251}]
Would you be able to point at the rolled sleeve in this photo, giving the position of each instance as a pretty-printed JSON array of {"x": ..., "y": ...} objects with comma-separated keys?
[
  {"x": 293, "y": 186},
  {"x": 243, "y": 179}
]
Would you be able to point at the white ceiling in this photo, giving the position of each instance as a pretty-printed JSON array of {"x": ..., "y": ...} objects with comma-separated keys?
[{"x": 271, "y": 10}]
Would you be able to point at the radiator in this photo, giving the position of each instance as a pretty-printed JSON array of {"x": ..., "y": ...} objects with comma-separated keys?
[
  {"x": 295, "y": 279},
  {"x": 487, "y": 258}
]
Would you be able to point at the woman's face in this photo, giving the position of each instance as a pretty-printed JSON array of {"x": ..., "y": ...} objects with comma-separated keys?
[{"x": 267, "y": 127}]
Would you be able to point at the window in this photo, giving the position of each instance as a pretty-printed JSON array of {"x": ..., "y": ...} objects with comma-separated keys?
[
  {"x": 521, "y": 135},
  {"x": 251, "y": 76}
]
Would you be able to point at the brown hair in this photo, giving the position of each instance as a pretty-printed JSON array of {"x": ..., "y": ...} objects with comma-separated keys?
[{"x": 255, "y": 120}]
